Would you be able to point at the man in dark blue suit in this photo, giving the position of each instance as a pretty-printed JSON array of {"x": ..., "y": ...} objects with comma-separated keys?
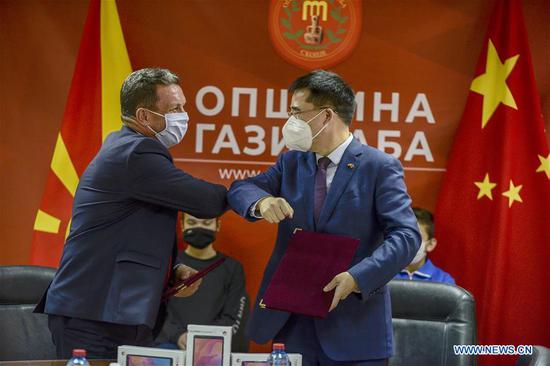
[
  {"x": 329, "y": 182},
  {"x": 119, "y": 254}
]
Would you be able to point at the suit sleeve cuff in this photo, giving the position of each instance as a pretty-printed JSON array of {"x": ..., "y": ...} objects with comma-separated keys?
[
  {"x": 255, "y": 213},
  {"x": 364, "y": 292}
]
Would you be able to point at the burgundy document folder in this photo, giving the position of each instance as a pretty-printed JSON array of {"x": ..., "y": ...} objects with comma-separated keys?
[
  {"x": 180, "y": 285},
  {"x": 311, "y": 261}
]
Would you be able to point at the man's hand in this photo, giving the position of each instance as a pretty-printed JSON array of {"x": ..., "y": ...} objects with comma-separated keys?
[
  {"x": 182, "y": 341},
  {"x": 183, "y": 272},
  {"x": 275, "y": 209},
  {"x": 345, "y": 284}
]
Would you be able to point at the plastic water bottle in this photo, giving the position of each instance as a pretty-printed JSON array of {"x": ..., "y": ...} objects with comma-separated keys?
[
  {"x": 79, "y": 358},
  {"x": 278, "y": 357}
]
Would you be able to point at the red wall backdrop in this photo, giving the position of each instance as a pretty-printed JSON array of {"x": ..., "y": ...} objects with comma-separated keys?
[{"x": 412, "y": 48}]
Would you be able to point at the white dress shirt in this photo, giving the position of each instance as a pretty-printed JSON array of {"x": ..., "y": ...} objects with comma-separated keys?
[{"x": 335, "y": 156}]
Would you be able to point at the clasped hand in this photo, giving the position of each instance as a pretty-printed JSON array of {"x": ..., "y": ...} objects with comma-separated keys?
[
  {"x": 183, "y": 272},
  {"x": 275, "y": 209}
]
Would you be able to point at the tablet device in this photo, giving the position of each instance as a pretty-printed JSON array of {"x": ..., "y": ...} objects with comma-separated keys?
[
  {"x": 147, "y": 356},
  {"x": 208, "y": 345}
]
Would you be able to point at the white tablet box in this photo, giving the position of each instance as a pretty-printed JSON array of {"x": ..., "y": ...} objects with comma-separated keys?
[
  {"x": 208, "y": 345},
  {"x": 260, "y": 359},
  {"x": 137, "y": 356}
]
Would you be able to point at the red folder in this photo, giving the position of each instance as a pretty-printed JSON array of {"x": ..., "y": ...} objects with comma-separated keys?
[
  {"x": 180, "y": 285},
  {"x": 310, "y": 262}
]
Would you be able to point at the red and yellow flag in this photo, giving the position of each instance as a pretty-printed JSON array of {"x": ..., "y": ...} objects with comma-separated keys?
[
  {"x": 91, "y": 113},
  {"x": 493, "y": 212}
]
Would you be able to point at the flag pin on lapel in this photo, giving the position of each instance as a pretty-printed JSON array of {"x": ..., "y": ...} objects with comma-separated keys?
[{"x": 351, "y": 165}]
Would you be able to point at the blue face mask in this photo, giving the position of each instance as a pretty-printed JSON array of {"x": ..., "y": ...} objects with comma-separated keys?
[{"x": 176, "y": 127}]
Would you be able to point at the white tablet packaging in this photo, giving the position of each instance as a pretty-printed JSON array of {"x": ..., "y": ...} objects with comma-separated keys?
[
  {"x": 208, "y": 345},
  {"x": 138, "y": 356}
]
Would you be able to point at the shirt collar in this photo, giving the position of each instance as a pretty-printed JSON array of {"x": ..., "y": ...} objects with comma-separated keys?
[
  {"x": 336, "y": 155},
  {"x": 425, "y": 271}
]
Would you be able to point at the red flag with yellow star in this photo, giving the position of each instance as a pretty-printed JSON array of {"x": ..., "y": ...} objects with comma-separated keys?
[
  {"x": 91, "y": 113},
  {"x": 492, "y": 216}
]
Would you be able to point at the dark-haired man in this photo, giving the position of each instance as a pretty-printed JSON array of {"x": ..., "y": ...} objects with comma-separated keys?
[
  {"x": 119, "y": 254},
  {"x": 329, "y": 182},
  {"x": 421, "y": 268}
]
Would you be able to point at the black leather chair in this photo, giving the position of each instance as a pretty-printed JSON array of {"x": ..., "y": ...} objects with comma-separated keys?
[
  {"x": 540, "y": 357},
  {"x": 24, "y": 335},
  {"x": 428, "y": 319}
]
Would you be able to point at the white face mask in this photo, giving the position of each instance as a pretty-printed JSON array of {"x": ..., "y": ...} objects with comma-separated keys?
[
  {"x": 297, "y": 133},
  {"x": 421, "y": 254},
  {"x": 176, "y": 127}
]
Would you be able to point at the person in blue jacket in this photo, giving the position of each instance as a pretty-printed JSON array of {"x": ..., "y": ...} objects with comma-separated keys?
[
  {"x": 329, "y": 182},
  {"x": 121, "y": 249},
  {"x": 421, "y": 267}
]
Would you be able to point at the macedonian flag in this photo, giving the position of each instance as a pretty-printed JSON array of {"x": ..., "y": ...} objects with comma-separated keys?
[
  {"x": 91, "y": 113},
  {"x": 493, "y": 212}
]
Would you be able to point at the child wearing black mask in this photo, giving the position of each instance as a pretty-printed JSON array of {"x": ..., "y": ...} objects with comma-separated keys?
[{"x": 221, "y": 298}]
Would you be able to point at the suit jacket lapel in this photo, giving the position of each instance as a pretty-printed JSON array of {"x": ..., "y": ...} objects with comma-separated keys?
[{"x": 346, "y": 168}]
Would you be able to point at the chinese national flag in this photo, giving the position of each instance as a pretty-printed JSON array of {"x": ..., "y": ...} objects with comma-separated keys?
[
  {"x": 91, "y": 113},
  {"x": 493, "y": 212}
]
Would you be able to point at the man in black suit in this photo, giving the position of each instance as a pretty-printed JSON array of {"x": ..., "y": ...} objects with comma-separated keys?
[{"x": 119, "y": 254}]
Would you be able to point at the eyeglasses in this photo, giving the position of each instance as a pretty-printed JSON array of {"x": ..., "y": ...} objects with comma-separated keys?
[{"x": 296, "y": 113}]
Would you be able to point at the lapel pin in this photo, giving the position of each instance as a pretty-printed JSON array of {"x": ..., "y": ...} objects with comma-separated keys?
[{"x": 351, "y": 165}]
